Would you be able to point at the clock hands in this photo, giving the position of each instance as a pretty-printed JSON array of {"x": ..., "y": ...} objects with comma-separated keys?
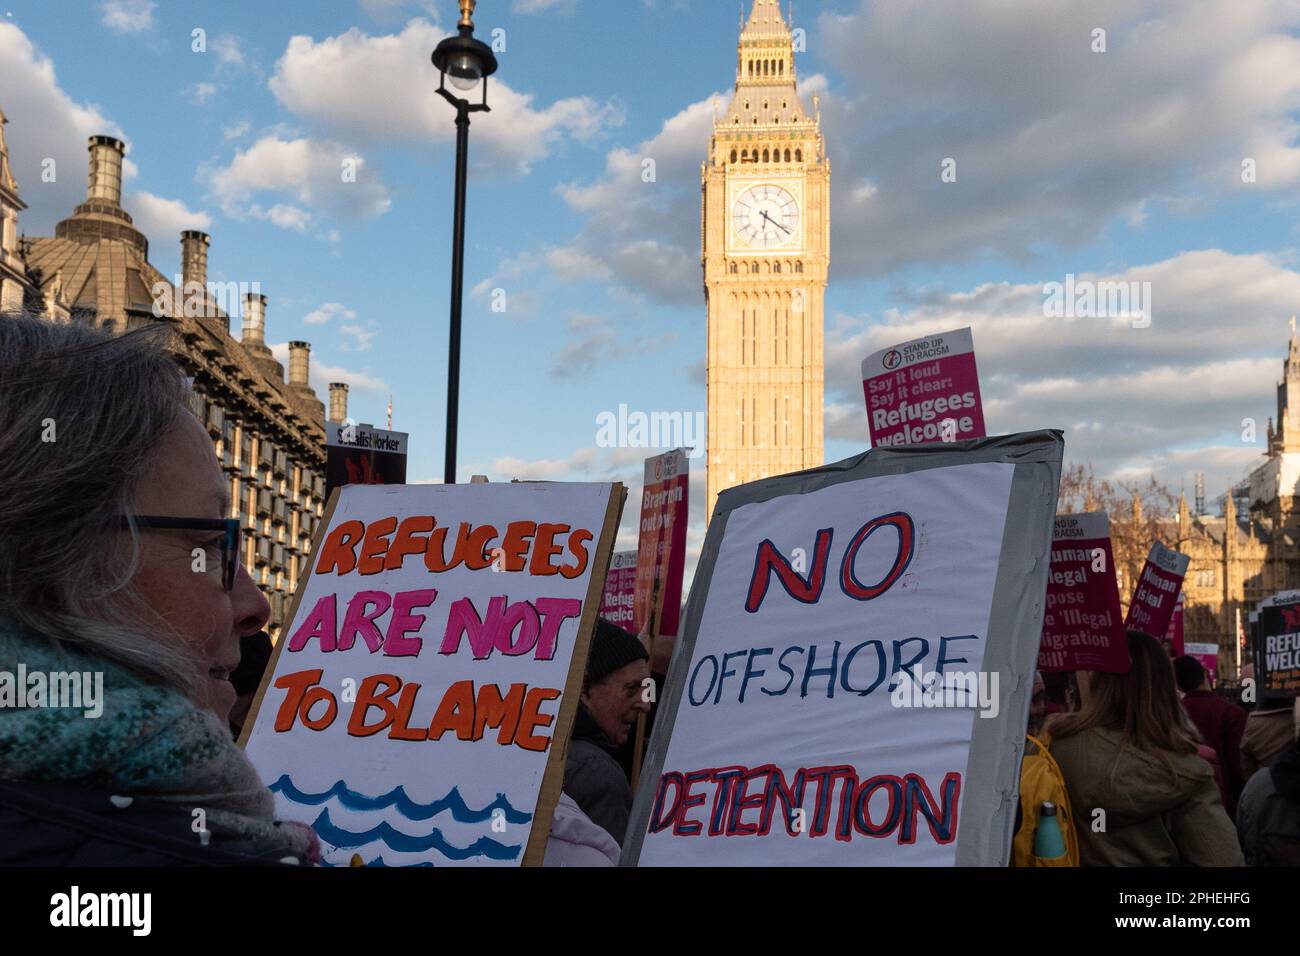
[{"x": 774, "y": 222}]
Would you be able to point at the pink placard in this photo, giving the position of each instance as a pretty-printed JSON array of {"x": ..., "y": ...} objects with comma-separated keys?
[
  {"x": 620, "y": 589},
  {"x": 923, "y": 391},
  {"x": 1156, "y": 594},
  {"x": 1082, "y": 626},
  {"x": 661, "y": 558}
]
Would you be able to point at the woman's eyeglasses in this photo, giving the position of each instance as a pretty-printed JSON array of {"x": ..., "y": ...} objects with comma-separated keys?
[{"x": 229, "y": 540}]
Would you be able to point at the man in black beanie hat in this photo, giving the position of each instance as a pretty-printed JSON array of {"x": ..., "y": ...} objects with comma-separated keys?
[{"x": 613, "y": 693}]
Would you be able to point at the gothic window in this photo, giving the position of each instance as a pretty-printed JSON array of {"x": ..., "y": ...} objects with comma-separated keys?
[
  {"x": 753, "y": 421},
  {"x": 798, "y": 267},
  {"x": 751, "y": 69},
  {"x": 787, "y": 155},
  {"x": 766, "y": 157},
  {"x": 733, "y": 156},
  {"x": 733, "y": 268},
  {"x": 776, "y": 267},
  {"x": 753, "y": 267},
  {"x": 798, "y": 155}
]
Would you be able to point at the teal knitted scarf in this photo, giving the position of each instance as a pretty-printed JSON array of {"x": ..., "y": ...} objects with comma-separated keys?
[{"x": 149, "y": 741}]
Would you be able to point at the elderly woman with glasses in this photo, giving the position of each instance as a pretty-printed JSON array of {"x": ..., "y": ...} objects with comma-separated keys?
[{"x": 122, "y": 605}]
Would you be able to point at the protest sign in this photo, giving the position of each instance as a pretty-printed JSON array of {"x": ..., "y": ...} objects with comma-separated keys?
[
  {"x": 363, "y": 455},
  {"x": 1208, "y": 655},
  {"x": 1082, "y": 628},
  {"x": 661, "y": 557},
  {"x": 925, "y": 390},
  {"x": 1157, "y": 590},
  {"x": 1277, "y": 646},
  {"x": 1174, "y": 636},
  {"x": 434, "y": 659},
  {"x": 852, "y": 681},
  {"x": 620, "y": 587}
]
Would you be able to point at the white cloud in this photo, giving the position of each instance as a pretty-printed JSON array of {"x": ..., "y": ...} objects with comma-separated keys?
[
  {"x": 45, "y": 124},
  {"x": 309, "y": 172},
  {"x": 127, "y": 16},
  {"x": 320, "y": 374},
  {"x": 236, "y": 130},
  {"x": 1052, "y": 141},
  {"x": 228, "y": 50},
  {"x": 363, "y": 88},
  {"x": 543, "y": 6},
  {"x": 202, "y": 92},
  {"x": 643, "y": 227},
  {"x": 595, "y": 341},
  {"x": 1131, "y": 400},
  {"x": 328, "y": 312},
  {"x": 164, "y": 219}
]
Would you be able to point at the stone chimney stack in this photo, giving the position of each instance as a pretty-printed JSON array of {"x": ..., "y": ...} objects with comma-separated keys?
[
  {"x": 194, "y": 257},
  {"x": 299, "y": 357},
  {"x": 338, "y": 402},
  {"x": 106, "y": 170},
  {"x": 254, "y": 335}
]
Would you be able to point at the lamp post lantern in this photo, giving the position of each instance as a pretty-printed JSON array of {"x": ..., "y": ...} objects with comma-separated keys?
[{"x": 466, "y": 63}]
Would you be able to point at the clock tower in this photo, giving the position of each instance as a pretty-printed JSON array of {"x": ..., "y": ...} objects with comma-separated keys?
[{"x": 765, "y": 250}]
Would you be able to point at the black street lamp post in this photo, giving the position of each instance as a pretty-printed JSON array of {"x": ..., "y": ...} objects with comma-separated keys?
[{"x": 465, "y": 62}]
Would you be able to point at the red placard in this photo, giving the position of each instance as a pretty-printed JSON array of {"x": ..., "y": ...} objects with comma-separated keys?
[
  {"x": 1082, "y": 627},
  {"x": 661, "y": 555},
  {"x": 1156, "y": 594}
]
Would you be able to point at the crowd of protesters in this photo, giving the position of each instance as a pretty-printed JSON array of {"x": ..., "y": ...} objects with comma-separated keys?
[{"x": 90, "y": 579}]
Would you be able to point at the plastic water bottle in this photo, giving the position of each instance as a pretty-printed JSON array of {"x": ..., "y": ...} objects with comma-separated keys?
[{"x": 1049, "y": 843}]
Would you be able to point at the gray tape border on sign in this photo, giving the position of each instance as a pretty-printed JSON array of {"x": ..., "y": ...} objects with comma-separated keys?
[{"x": 988, "y": 818}]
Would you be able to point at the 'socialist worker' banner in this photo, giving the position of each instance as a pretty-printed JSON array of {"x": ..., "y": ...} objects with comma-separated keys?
[
  {"x": 363, "y": 455},
  {"x": 620, "y": 589},
  {"x": 1156, "y": 594},
  {"x": 434, "y": 658},
  {"x": 661, "y": 558},
  {"x": 852, "y": 682},
  {"x": 1277, "y": 646},
  {"x": 926, "y": 390},
  {"x": 1083, "y": 627}
]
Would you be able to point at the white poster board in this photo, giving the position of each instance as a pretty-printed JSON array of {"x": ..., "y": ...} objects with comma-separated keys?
[
  {"x": 804, "y": 722},
  {"x": 418, "y": 704}
]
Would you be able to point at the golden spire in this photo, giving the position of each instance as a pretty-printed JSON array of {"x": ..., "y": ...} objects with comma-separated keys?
[{"x": 467, "y": 14}]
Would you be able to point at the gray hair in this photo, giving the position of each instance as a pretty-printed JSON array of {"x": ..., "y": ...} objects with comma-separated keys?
[{"x": 81, "y": 412}]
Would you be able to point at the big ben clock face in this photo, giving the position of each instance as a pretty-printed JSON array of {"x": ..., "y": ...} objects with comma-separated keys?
[{"x": 766, "y": 217}]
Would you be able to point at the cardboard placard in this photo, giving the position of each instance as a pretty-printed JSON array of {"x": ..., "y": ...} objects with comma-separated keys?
[
  {"x": 418, "y": 706},
  {"x": 1157, "y": 590},
  {"x": 1083, "y": 629},
  {"x": 661, "y": 549},
  {"x": 922, "y": 391},
  {"x": 1277, "y": 646},
  {"x": 620, "y": 588},
  {"x": 802, "y": 722}
]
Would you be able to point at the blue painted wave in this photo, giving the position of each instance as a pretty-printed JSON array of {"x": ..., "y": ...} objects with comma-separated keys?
[
  {"x": 395, "y": 839},
  {"x": 377, "y": 861},
  {"x": 398, "y": 800}
]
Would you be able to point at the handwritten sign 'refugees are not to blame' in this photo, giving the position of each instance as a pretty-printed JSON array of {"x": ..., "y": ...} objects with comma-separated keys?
[{"x": 434, "y": 656}]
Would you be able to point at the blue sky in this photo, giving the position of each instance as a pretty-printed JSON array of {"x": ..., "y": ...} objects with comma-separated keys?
[{"x": 1117, "y": 164}]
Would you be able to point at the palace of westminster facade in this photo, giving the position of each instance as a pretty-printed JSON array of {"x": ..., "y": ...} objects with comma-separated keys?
[{"x": 268, "y": 430}]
